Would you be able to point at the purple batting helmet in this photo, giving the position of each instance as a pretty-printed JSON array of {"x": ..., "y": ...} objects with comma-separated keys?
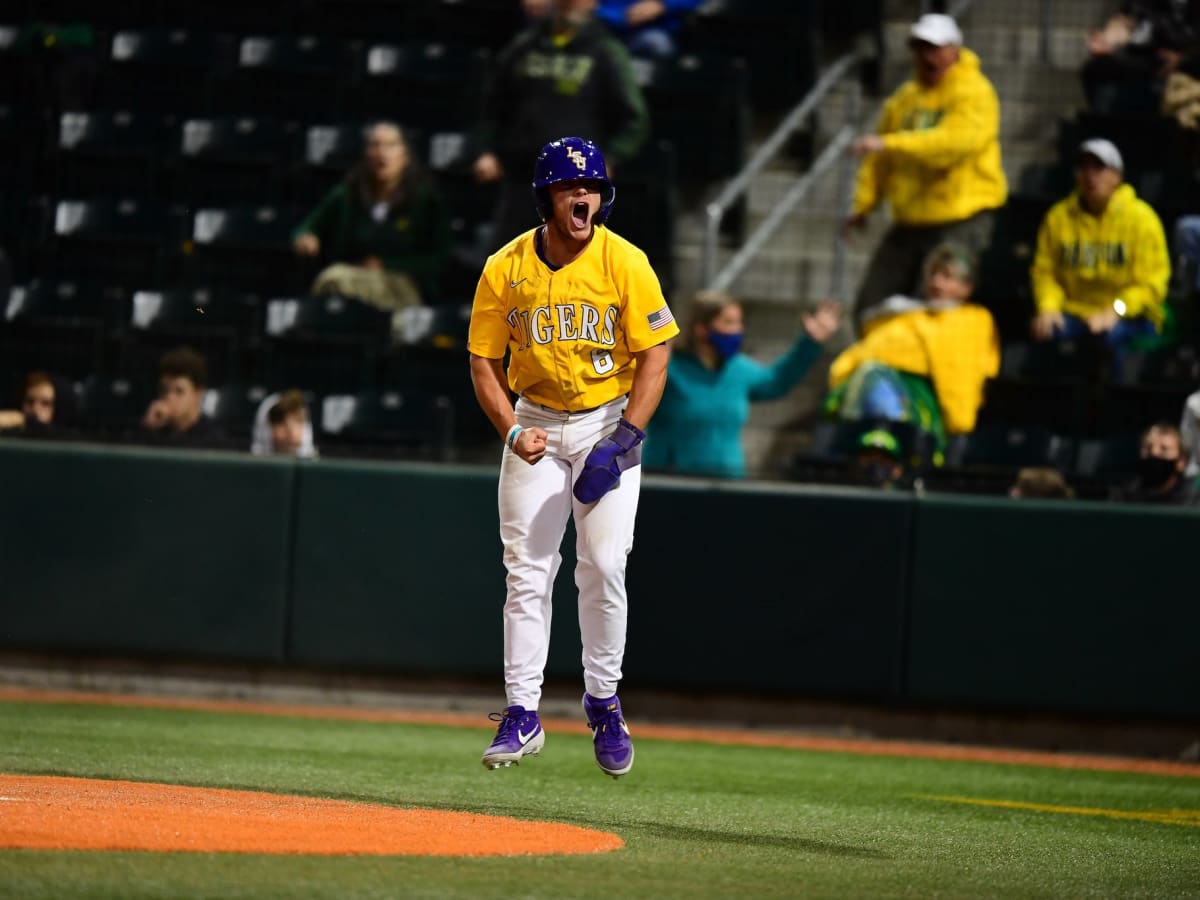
[{"x": 567, "y": 159}]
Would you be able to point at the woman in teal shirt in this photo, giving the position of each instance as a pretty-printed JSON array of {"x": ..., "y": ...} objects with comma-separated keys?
[{"x": 711, "y": 384}]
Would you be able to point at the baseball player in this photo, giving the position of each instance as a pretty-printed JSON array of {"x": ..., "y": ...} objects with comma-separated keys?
[{"x": 582, "y": 316}]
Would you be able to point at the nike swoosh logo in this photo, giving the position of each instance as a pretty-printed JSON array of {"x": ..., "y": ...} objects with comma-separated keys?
[
  {"x": 524, "y": 738},
  {"x": 513, "y": 284}
]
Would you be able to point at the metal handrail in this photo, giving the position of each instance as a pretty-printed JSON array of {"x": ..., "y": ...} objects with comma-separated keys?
[
  {"x": 830, "y": 155},
  {"x": 740, "y": 183}
]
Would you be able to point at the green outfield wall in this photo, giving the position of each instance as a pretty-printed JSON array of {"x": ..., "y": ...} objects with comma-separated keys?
[{"x": 774, "y": 589}]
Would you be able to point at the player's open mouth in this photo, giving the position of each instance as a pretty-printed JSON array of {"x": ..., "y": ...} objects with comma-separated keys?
[{"x": 579, "y": 215}]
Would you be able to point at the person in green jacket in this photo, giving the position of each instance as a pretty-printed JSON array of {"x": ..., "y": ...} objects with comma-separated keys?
[
  {"x": 384, "y": 230},
  {"x": 711, "y": 384}
]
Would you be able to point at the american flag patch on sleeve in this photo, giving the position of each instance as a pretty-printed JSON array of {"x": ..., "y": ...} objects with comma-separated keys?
[{"x": 659, "y": 318}]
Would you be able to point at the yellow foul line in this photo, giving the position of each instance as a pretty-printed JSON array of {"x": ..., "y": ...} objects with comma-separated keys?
[{"x": 1187, "y": 817}]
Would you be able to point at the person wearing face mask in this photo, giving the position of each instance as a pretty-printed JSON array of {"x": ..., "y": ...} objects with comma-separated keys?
[
  {"x": 934, "y": 159},
  {"x": 711, "y": 384},
  {"x": 878, "y": 461},
  {"x": 384, "y": 232},
  {"x": 927, "y": 366},
  {"x": 1162, "y": 459}
]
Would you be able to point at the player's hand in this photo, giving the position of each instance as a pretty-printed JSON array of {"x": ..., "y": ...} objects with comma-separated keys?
[
  {"x": 823, "y": 321},
  {"x": 307, "y": 245},
  {"x": 488, "y": 168},
  {"x": 609, "y": 458},
  {"x": 1046, "y": 323},
  {"x": 530, "y": 444}
]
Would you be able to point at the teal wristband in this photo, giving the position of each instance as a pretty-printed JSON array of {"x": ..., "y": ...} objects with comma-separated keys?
[{"x": 512, "y": 435}]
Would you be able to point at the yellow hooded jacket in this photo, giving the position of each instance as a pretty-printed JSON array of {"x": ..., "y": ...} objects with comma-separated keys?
[
  {"x": 956, "y": 347},
  {"x": 1084, "y": 263},
  {"x": 941, "y": 157}
]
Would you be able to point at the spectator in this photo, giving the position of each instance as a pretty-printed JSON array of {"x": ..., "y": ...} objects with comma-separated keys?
[
  {"x": 175, "y": 419},
  {"x": 384, "y": 232},
  {"x": 879, "y": 461},
  {"x": 1189, "y": 431},
  {"x": 1162, "y": 459},
  {"x": 1136, "y": 49},
  {"x": 1101, "y": 265},
  {"x": 564, "y": 74},
  {"x": 282, "y": 426},
  {"x": 935, "y": 160},
  {"x": 711, "y": 384},
  {"x": 926, "y": 366},
  {"x": 35, "y": 418},
  {"x": 647, "y": 27},
  {"x": 1041, "y": 482}
]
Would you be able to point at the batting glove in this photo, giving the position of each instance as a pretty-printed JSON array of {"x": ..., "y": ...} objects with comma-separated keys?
[{"x": 609, "y": 458}]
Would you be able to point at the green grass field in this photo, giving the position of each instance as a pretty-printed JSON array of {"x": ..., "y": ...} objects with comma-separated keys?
[{"x": 698, "y": 820}]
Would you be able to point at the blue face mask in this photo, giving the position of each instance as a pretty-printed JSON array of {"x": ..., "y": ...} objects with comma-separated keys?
[{"x": 726, "y": 345}]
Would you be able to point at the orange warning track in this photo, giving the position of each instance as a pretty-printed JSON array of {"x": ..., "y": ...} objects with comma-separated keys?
[
  {"x": 47, "y": 813},
  {"x": 662, "y": 732}
]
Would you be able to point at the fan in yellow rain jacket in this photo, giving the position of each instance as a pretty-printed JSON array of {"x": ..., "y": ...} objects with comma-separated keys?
[
  {"x": 927, "y": 366},
  {"x": 935, "y": 161},
  {"x": 1101, "y": 264}
]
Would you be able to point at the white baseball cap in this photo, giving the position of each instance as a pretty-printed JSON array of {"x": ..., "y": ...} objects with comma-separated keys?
[
  {"x": 937, "y": 29},
  {"x": 1105, "y": 151}
]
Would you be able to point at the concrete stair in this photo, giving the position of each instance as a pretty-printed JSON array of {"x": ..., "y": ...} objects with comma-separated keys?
[{"x": 796, "y": 266}]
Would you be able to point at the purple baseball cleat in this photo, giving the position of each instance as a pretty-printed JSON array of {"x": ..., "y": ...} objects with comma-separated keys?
[
  {"x": 610, "y": 735},
  {"x": 520, "y": 734}
]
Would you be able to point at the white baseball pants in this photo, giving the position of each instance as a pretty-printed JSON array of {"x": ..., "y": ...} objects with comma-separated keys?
[{"x": 535, "y": 502}]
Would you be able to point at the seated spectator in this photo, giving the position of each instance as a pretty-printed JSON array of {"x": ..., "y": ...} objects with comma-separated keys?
[
  {"x": 1162, "y": 459},
  {"x": 1189, "y": 431},
  {"x": 35, "y": 418},
  {"x": 1101, "y": 266},
  {"x": 879, "y": 461},
  {"x": 175, "y": 419},
  {"x": 926, "y": 366},
  {"x": 384, "y": 230},
  {"x": 647, "y": 27},
  {"x": 1042, "y": 483},
  {"x": 697, "y": 429},
  {"x": 282, "y": 426},
  {"x": 1135, "y": 51}
]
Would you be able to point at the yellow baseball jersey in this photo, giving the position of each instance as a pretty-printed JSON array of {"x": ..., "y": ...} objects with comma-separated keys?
[{"x": 573, "y": 331}]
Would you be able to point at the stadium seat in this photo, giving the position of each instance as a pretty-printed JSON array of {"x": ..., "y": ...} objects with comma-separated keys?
[
  {"x": 1061, "y": 404},
  {"x": 224, "y": 327},
  {"x": 287, "y": 76},
  {"x": 165, "y": 70},
  {"x": 700, "y": 103},
  {"x": 987, "y": 460},
  {"x": 57, "y": 324},
  {"x": 324, "y": 344},
  {"x": 127, "y": 240},
  {"x": 330, "y": 150},
  {"x": 111, "y": 408},
  {"x": 233, "y": 406},
  {"x": 387, "y": 423},
  {"x": 237, "y": 160},
  {"x": 108, "y": 152},
  {"x": 246, "y": 248},
  {"x": 1102, "y": 464},
  {"x": 430, "y": 85}
]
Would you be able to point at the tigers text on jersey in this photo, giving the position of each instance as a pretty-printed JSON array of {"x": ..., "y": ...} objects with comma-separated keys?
[{"x": 572, "y": 331}]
